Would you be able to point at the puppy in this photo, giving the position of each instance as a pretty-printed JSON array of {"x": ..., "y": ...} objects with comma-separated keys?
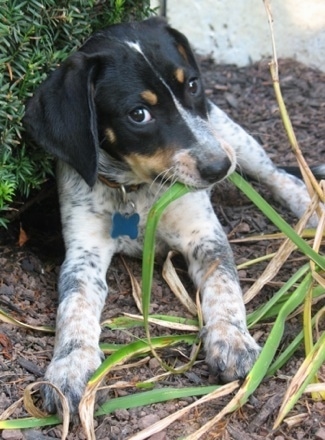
[{"x": 125, "y": 115}]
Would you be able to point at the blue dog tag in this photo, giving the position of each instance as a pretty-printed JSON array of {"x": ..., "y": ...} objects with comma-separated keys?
[{"x": 125, "y": 224}]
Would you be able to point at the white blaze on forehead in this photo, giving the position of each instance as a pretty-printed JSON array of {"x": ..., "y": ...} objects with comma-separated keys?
[{"x": 135, "y": 46}]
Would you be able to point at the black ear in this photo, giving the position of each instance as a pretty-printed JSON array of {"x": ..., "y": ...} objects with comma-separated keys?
[
  {"x": 183, "y": 45},
  {"x": 61, "y": 116}
]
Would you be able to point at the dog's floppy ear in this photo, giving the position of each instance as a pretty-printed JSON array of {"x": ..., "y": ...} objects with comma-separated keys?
[
  {"x": 183, "y": 45},
  {"x": 61, "y": 116}
]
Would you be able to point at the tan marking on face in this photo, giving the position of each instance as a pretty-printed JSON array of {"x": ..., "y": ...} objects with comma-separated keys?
[
  {"x": 179, "y": 75},
  {"x": 146, "y": 167},
  {"x": 181, "y": 49},
  {"x": 110, "y": 135},
  {"x": 150, "y": 97}
]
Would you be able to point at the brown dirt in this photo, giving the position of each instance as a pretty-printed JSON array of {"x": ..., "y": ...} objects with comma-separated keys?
[{"x": 28, "y": 276}]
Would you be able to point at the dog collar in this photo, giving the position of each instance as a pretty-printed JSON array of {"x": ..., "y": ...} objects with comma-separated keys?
[{"x": 113, "y": 184}]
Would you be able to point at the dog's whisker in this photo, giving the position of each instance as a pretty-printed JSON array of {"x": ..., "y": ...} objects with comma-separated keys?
[
  {"x": 161, "y": 179},
  {"x": 165, "y": 183}
]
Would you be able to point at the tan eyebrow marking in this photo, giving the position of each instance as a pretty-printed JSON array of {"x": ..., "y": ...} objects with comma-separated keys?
[
  {"x": 110, "y": 135},
  {"x": 181, "y": 49},
  {"x": 179, "y": 75},
  {"x": 150, "y": 97}
]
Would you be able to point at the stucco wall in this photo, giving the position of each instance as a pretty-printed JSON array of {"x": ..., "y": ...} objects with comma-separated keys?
[{"x": 236, "y": 31}]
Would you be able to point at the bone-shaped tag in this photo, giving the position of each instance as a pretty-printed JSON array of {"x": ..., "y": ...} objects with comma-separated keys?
[{"x": 124, "y": 224}]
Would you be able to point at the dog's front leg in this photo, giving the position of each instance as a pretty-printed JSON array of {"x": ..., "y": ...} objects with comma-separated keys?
[
  {"x": 230, "y": 349},
  {"x": 82, "y": 292}
]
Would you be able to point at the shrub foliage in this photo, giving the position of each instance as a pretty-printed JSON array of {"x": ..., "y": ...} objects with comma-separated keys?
[{"x": 36, "y": 36}]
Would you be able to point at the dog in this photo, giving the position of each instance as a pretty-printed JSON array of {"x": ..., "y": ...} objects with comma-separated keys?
[{"x": 126, "y": 115}]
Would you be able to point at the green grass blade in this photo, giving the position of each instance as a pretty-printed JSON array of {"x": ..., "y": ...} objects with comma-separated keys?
[
  {"x": 125, "y": 402},
  {"x": 263, "y": 362},
  {"x": 135, "y": 349},
  {"x": 292, "y": 347},
  {"x": 126, "y": 322},
  {"x": 108, "y": 348},
  {"x": 278, "y": 221},
  {"x": 265, "y": 309},
  {"x": 274, "y": 310},
  {"x": 29, "y": 422},
  {"x": 172, "y": 194},
  {"x": 153, "y": 396},
  {"x": 304, "y": 376}
]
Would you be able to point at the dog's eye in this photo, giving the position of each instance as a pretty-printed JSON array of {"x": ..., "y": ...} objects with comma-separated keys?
[
  {"x": 193, "y": 86},
  {"x": 140, "y": 115}
]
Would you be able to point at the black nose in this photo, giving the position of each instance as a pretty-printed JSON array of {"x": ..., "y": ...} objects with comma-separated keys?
[{"x": 215, "y": 170}]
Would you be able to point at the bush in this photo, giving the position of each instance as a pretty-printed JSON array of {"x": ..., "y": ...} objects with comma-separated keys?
[{"x": 36, "y": 36}]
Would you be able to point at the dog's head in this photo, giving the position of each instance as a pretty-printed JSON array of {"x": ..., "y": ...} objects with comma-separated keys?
[{"x": 133, "y": 95}]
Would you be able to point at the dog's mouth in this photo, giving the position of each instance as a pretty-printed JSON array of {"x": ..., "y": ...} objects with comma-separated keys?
[
  {"x": 203, "y": 171},
  {"x": 191, "y": 167},
  {"x": 200, "y": 166}
]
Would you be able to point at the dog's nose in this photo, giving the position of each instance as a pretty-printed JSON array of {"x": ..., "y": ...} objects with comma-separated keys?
[{"x": 214, "y": 171}]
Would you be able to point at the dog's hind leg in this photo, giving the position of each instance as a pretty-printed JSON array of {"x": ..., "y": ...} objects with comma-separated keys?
[{"x": 253, "y": 161}]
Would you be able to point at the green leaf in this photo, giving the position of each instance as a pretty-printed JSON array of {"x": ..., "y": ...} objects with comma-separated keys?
[{"x": 276, "y": 219}]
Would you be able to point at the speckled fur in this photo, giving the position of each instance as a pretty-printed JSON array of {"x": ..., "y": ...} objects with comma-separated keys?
[{"x": 208, "y": 137}]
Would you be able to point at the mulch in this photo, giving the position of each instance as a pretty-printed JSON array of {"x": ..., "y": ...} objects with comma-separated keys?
[{"x": 28, "y": 275}]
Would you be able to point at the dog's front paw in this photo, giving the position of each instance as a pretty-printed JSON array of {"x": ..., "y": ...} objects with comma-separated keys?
[
  {"x": 70, "y": 374},
  {"x": 230, "y": 350}
]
